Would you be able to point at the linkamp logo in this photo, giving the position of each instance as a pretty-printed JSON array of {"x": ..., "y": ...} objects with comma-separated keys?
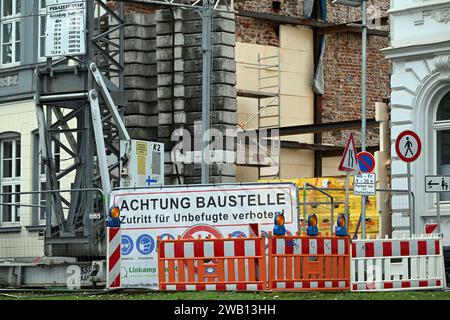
[{"x": 138, "y": 270}]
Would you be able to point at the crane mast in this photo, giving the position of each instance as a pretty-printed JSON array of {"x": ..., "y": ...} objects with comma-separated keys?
[{"x": 79, "y": 102}]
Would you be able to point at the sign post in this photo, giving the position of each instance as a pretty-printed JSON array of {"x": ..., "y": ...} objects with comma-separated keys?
[
  {"x": 437, "y": 185},
  {"x": 366, "y": 164},
  {"x": 408, "y": 147},
  {"x": 348, "y": 164}
]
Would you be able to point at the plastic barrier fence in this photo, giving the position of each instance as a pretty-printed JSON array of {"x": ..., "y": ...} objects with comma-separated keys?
[
  {"x": 235, "y": 264},
  {"x": 309, "y": 263},
  {"x": 398, "y": 264}
]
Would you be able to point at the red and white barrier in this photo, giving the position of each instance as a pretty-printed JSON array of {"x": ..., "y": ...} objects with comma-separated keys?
[
  {"x": 309, "y": 263},
  {"x": 253, "y": 230},
  {"x": 113, "y": 252},
  {"x": 398, "y": 264},
  {"x": 228, "y": 264},
  {"x": 239, "y": 247}
]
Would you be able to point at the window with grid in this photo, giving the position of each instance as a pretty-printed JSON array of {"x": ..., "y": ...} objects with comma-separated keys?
[
  {"x": 442, "y": 127},
  {"x": 10, "y": 32},
  {"x": 42, "y": 25},
  {"x": 10, "y": 181}
]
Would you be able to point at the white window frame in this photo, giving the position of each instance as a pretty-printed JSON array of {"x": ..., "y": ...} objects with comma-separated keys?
[
  {"x": 13, "y": 181},
  {"x": 13, "y": 19},
  {"x": 42, "y": 13},
  {"x": 439, "y": 125},
  {"x": 42, "y": 178}
]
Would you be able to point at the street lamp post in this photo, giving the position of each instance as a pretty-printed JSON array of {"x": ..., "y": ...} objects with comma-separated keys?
[{"x": 363, "y": 5}]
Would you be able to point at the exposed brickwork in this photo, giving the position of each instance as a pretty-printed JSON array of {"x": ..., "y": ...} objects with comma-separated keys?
[
  {"x": 342, "y": 72},
  {"x": 259, "y": 32},
  {"x": 342, "y": 61},
  {"x": 132, "y": 7},
  {"x": 344, "y": 14}
]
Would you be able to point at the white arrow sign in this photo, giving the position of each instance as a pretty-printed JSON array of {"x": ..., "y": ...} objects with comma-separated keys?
[{"x": 435, "y": 184}]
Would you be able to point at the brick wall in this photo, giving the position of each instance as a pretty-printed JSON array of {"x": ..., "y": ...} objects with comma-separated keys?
[
  {"x": 131, "y": 8},
  {"x": 342, "y": 72},
  {"x": 342, "y": 61},
  {"x": 258, "y": 32}
]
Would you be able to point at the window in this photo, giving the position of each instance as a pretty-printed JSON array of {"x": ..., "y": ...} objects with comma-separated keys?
[
  {"x": 10, "y": 32},
  {"x": 42, "y": 179},
  {"x": 442, "y": 126},
  {"x": 42, "y": 24},
  {"x": 10, "y": 180}
]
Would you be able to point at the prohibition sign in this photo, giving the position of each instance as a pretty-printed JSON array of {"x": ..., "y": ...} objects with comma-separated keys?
[
  {"x": 201, "y": 230},
  {"x": 408, "y": 146},
  {"x": 366, "y": 162}
]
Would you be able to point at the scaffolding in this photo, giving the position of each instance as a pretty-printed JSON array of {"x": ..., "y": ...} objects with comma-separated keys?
[{"x": 268, "y": 115}]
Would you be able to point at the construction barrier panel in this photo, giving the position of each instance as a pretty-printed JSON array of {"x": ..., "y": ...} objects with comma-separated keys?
[
  {"x": 231, "y": 264},
  {"x": 398, "y": 264},
  {"x": 309, "y": 263},
  {"x": 113, "y": 263}
]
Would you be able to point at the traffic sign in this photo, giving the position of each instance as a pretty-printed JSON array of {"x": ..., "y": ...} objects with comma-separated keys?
[
  {"x": 364, "y": 184},
  {"x": 435, "y": 184},
  {"x": 408, "y": 146},
  {"x": 348, "y": 161},
  {"x": 366, "y": 162}
]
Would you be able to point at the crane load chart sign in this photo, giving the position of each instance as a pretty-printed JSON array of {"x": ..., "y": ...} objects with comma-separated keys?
[
  {"x": 193, "y": 211},
  {"x": 65, "y": 28}
]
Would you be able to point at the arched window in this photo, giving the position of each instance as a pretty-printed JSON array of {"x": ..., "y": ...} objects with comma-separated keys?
[{"x": 442, "y": 126}]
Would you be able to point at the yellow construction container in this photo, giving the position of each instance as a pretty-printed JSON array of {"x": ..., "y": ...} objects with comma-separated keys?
[{"x": 319, "y": 204}]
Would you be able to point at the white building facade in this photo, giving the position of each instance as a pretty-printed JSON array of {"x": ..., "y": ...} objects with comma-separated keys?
[{"x": 420, "y": 101}]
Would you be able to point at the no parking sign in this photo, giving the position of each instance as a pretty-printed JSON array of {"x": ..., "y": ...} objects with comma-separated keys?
[{"x": 366, "y": 162}]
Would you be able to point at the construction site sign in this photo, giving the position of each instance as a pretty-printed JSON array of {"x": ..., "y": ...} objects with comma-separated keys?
[
  {"x": 349, "y": 161},
  {"x": 65, "y": 28},
  {"x": 193, "y": 211}
]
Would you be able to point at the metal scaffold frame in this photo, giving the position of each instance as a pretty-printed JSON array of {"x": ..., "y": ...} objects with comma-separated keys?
[
  {"x": 76, "y": 98},
  {"x": 268, "y": 96}
]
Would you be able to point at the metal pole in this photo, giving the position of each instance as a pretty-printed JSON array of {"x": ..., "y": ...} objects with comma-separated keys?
[
  {"x": 411, "y": 212},
  {"x": 364, "y": 75},
  {"x": 207, "y": 10},
  {"x": 438, "y": 211},
  {"x": 347, "y": 187},
  {"x": 363, "y": 105},
  {"x": 304, "y": 207}
]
